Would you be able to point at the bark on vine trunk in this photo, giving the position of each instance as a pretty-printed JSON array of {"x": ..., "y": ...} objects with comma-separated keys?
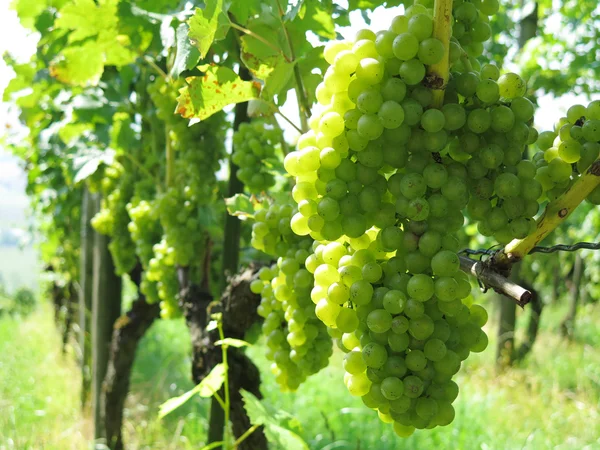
[
  {"x": 128, "y": 331},
  {"x": 106, "y": 309},
  {"x": 568, "y": 325},
  {"x": 231, "y": 251},
  {"x": 70, "y": 307},
  {"x": 238, "y": 306},
  {"x": 86, "y": 274}
]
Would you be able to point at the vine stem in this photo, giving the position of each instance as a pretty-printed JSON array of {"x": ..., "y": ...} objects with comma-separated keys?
[
  {"x": 437, "y": 75},
  {"x": 170, "y": 169},
  {"x": 288, "y": 120},
  {"x": 556, "y": 212},
  {"x": 489, "y": 278},
  {"x": 303, "y": 103},
  {"x": 225, "y": 385},
  {"x": 243, "y": 437}
]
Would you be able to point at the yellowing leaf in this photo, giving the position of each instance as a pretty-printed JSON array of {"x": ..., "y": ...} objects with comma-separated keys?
[
  {"x": 207, "y": 24},
  {"x": 80, "y": 65},
  {"x": 209, "y": 94}
]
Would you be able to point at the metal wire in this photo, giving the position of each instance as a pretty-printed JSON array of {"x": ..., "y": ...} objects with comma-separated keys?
[{"x": 539, "y": 249}]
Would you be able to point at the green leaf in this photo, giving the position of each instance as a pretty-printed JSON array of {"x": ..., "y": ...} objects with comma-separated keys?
[
  {"x": 274, "y": 432},
  {"x": 295, "y": 11},
  {"x": 208, "y": 24},
  {"x": 240, "y": 205},
  {"x": 212, "y": 382},
  {"x": 256, "y": 411},
  {"x": 207, "y": 387},
  {"x": 86, "y": 163},
  {"x": 265, "y": 62},
  {"x": 86, "y": 18},
  {"x": 212, "y": 325},
  {"x": 79, "y": 65},
  {"x": 173, "y": 403},
  {"x": 232, "y": 342},
  {"x": 317, "y": 16},
  {"x": 187, "y": 55},
  {"x": 261, "y": 108},
  {"x": 209, "y": 94},
  {"x": 285, "y": 438}
]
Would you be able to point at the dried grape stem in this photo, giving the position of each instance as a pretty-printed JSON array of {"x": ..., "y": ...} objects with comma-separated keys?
[{"x": 492, "y": 279}]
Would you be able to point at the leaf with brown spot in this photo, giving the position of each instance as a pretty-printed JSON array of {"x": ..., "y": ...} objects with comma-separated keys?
[{"x": 208, "y": 94}]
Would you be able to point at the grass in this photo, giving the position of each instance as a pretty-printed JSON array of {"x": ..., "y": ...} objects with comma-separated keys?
[{"x": 551, "y": 400}]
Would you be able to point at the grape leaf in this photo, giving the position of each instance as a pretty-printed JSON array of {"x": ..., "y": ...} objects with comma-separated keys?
[
  {"x": 240, "y": 205},
  {"x": 232, "y": 342},
  {"x": 265, "y": 62},
  {"x": 318, "y": 18},
  {"x": 260, "y": 108},
  {"x": 219, "y": 87},
  {"x": 86, "y": 18},
  {"x": 207, "y": 387},
  {"x": 208, "y": 24},
  {"x": 275, "y": 433},
  {"x": 79, "y": 65},
  {"x": 187, "y": 55},
  {"x": 88, "y": 160}
]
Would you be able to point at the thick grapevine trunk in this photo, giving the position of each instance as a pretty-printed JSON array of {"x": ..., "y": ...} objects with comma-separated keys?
[
  {"x": 231, "y": 250},
  {"x": 238, "y": 306},
  {"x": 70, "y": 307},
  {"x": 106, "y": 309},
  {"x": 86, "y": 275},
  {"x": 568, "y": 324},
  {"x": 128, "y": 331}
]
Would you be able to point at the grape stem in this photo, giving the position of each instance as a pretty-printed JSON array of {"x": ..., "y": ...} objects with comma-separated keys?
[
  {"x": 489, "y": 278},
  {"x": 170, "y": 159},
  {"x": 556, "y": 212},
  {"x": 303, "y": 103},
  {"x": 437, "y": 75}
]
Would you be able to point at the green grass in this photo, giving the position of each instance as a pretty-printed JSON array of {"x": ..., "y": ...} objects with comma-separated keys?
[{"x": 551, "y": 400}]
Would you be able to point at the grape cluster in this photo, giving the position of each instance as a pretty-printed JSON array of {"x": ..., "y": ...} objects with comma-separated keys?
[
  {"x": 112, "y": 218},
  {"x": 162, "y": 272},
  {"x": 404, "y": 336},
  {"x": 569, "y": 150},
  {"x": 183, "y": 209},
  {"x": 298, "y": 343},
  {"x": 384, "y": 179},
  {"x": 254, "y": 150}
]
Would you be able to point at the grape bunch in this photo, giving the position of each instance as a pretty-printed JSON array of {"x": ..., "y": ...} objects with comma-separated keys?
[
  {"x": 254, "y": 150},
  {"x": 384, "y": 179},
  {"x": 569, "y": 150},
  {"x": 298, "y": 343},
  {"x": 404, "y": 336},
  {"x": 112, "y": 218},
  {"x": 271, "y": 231},
  {"x": 183, "y": 209},
  {"x": 161, "y": 278},
  {"x": 145, "y": 231}
]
